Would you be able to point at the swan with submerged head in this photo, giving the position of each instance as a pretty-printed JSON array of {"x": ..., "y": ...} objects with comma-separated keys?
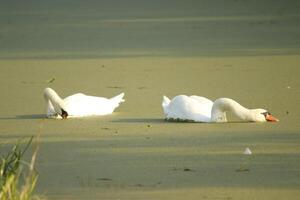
[
  {"x": 201, "y": 109},
  {"x": 79, "y": 105}
]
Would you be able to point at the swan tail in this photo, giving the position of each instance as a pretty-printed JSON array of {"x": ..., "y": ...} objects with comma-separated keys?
[
  {"x": 118, "y": 99},
  {"x": 165, "y": 104}
]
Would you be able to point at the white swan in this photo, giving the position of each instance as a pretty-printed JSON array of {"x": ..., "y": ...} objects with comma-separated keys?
[
  {"x": 201, "y": 109},
  {"x": 79, "y": 105}
]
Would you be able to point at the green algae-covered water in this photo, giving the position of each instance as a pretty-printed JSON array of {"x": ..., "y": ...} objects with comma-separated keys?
[
  {"x": 77, "y": 29},
  {"x": 134, "y": 153},
  {"x": 245, "y": 51}
]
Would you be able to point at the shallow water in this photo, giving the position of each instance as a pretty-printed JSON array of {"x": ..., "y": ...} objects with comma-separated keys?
[
  {"x": 93, "y": 29},
  {"x": 134, "y": 153},
  {"x": 248, "y": 51}
]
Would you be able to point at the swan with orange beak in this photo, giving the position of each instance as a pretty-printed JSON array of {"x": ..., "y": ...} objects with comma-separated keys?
[{"x": 201, "y": 109}]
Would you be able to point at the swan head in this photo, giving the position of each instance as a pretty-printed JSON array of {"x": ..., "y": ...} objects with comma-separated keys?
[
  {"x": 262, "y": 115},
  {"x": 64, "y": 114}
]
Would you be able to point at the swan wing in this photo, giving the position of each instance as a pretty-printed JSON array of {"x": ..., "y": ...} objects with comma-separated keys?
[
  {"x": 204, "y": 105},
  {"x": 190, "y": 108},
  {"x": 79, "y": 105},
  {"x": 202, "y": 100}
]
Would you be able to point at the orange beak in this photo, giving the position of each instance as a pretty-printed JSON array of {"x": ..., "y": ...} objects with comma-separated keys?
[{"x": 271, "y": 118}]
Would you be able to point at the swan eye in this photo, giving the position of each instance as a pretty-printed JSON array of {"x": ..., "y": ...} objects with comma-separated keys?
[{"x": 266, "y": 113}]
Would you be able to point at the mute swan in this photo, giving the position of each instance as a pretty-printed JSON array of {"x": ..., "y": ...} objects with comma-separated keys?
[
  {"x": 201, "y": 109},
  {"x": 79, "y": 105}
]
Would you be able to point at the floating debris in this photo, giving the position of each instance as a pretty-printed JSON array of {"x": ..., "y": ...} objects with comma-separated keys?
[
  {"x": 51, "y": 80},
  {"x": 142, "y": 88},
  {"x": 104, "y": 179},
  {"x": 139, "y": 185},
  {"x": 187, "y": 170},
  {"x": 243, "y": 170},
  {"x": 39, "y": 82},
  {"x": 247, "y": 151},
  {"x": 115, "y": 87}
]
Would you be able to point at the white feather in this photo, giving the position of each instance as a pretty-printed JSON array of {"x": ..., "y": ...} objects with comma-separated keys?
[{"x": 80, "y": 105}]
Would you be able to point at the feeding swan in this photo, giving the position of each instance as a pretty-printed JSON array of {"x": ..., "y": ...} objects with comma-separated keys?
[
  {"x": 201, "y": 109},
  {"x": 79, "y": 105}
]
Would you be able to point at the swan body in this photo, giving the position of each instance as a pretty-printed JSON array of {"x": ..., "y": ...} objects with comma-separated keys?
[
  {"x": 184, "y": 107},
  {"x": 201, "y": 109},
  {"x": 79, "y": 105}
]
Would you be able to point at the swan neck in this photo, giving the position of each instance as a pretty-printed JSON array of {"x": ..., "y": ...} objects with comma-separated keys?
[
  {"x": 223, "y": 105},
  {"x": 53, "y": 98}
]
